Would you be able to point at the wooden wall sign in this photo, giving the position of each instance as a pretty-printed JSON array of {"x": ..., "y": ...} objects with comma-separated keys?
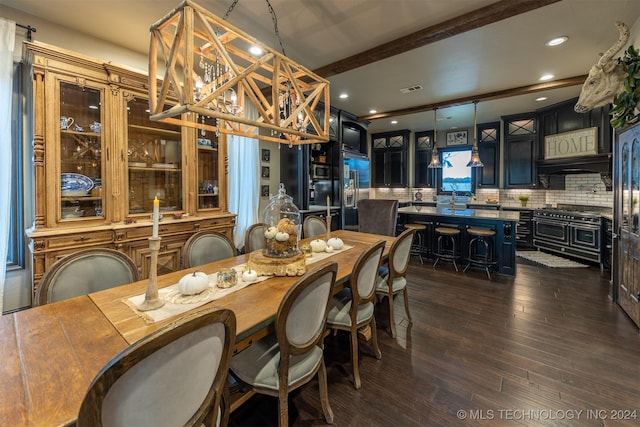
[{"x": 576, "y": 143}]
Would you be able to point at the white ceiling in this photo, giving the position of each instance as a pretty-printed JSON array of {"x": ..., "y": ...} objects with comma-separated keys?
[{"x": 503, "y": 55}]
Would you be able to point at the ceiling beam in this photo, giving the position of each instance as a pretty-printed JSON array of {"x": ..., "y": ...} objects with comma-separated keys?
[
  {"x": 480, "y": 17},
  {"x": 505, "y": 93}
]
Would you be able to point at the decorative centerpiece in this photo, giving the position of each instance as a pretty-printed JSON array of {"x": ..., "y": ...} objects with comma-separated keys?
[
  {"x": 193, "y": 283},
  {"x": 281, "y": 255}
]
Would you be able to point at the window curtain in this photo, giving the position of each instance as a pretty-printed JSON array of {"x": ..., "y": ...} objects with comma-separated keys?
[
  {"x": 7, "y": 40},
  {"x": 244, "y": 162}
]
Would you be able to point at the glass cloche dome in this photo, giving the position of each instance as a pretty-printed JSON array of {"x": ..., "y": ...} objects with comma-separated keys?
[{"x": 282, "y": 218}]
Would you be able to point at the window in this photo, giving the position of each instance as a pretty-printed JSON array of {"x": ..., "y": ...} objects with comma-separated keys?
[
  {"x": 455, "y": 175},
  {"x": 15, "y": 250}
]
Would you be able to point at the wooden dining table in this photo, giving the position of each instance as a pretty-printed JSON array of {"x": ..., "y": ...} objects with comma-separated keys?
[{"x": 50, "y": 354}]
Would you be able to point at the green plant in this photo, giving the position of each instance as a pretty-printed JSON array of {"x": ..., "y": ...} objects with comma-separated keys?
[
  {"x": 625, "y": 103},
  {"x": 523, "y": 197}
]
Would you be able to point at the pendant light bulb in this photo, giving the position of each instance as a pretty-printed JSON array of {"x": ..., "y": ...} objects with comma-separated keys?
[{"x": 435, "y": 157}]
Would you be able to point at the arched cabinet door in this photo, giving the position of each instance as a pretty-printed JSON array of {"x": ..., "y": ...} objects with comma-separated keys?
[{"x": 626, "y": 222}]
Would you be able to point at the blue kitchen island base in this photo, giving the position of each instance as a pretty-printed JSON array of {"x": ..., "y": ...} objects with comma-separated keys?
[{"x": 502, "y": 222}]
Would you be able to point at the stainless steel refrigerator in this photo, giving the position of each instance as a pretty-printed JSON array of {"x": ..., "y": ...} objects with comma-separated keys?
[{"x": 354, "y": 187}]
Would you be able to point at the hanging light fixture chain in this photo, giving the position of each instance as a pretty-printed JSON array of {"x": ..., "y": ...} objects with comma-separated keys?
[
  {"x": 233, "y": 5},
  {"x": 274, "y": 18}
]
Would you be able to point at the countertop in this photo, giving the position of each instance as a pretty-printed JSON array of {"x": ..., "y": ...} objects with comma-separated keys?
[{"x": 462, "y": 213}]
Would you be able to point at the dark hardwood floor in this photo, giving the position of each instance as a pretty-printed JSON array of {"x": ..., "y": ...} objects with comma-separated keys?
[{"x": 546, "y": 348}]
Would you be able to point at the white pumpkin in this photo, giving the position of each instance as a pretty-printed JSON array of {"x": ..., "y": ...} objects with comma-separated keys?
[
  {"x": 318, "y": 245},
  {"x": 193, "y": 283},
  {"x": 336, "y": 243},
  {"x": 271, "y": 232},
  {"x": 249, "y": 276},
  {"x": 329, "y": 249},
  {"x": 282, "y": 237}
]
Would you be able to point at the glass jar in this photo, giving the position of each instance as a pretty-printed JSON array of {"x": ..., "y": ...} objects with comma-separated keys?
[{"x": 282, "y": 218}]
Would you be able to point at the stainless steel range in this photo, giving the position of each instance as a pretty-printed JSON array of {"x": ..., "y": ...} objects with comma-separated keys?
[{"x": 572, "y": 230}]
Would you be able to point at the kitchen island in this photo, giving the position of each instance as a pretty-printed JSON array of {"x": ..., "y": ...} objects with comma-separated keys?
[{"x": 502, "y": 222}]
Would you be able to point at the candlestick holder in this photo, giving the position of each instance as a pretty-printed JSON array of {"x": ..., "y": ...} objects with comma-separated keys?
[
  {"x": 328, "y": 227},
  {"x": 151, "y": 299}
]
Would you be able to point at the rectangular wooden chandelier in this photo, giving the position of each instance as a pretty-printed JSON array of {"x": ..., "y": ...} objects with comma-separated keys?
[{"x": 209, "y": 71}]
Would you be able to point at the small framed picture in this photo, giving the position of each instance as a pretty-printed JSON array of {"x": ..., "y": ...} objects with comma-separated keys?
[
  {"x": 458, "y": 137},
  {"x": 265, "y": 172},
  {"x": 264, "y": 190},
  {"x": 266, "y": 155}
]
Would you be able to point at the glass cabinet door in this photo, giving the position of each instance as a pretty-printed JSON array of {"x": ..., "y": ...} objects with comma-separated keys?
[
  {"x": 154, "y": 161},
  {"x": 208, "y": 185},
  {"x": 81, "y": 148}
]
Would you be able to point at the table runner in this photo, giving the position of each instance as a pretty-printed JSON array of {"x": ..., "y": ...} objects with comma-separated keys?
[{"x": 175, "y": 304}]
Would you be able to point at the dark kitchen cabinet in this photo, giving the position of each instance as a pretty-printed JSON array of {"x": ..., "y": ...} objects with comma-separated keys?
[
  {"x": 524, "y": 228},
  {"x": 520, "y": 153},
  {"x": 489, "y": 150},
  {"x": 423, "y": 176},
  {"x": 389, "y": 158}
]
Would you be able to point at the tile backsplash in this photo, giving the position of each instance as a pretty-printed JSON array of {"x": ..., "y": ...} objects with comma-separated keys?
[{"x": 580, "y": 189}]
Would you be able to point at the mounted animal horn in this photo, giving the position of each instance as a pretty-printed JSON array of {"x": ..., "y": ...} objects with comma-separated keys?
[{"x": 622, "y": 40}]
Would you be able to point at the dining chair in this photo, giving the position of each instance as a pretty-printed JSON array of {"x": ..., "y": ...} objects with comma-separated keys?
[
  {"x": 314, "y": 226},
  {"x": 395, "y": 281},
  {"x": 254, "y": 237},
  {"x": 352, "y": 309},
  {"x": 293, "y": 355},
  {"x": 175, "y": 376},
  {"x": 378, "y": 216},
  {"x": 207, "y": 246},
  {"x": 84, "y": 272}
]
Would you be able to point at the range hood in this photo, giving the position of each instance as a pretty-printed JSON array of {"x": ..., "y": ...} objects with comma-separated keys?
[{"x": 600, "y": 163}]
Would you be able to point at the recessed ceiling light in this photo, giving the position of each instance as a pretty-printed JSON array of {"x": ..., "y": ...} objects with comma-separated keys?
[
  {"x": 255, "y": 50},
  {"x": 542, "y": 98},
  {"x": 394, "y": 122},
  {"x": 546, "y": 77},
  {"x": 557, "y": 41},
  {"x": 344, "y": 96},
  {"x": 373, "y": 111}
]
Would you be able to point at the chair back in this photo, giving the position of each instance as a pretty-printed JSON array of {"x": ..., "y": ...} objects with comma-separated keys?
[
  {"x": 84, "y": 272},
  {"x": 378, "y": 216},
  {"x": 174, "y": 377},
  {"x": 302, "y": 315},
  {"x": 399, "y": 254},
  {"x": 207, "y": 246},
  {"x": 364, "y": 276},
  {"x": 254, "y": 237},
  {"x": 314, "y": 226}
]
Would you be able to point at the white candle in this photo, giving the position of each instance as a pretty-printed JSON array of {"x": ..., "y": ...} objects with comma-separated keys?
[
  {"x": 156, "y": 217},
  {"x": 328, "y": 209}
]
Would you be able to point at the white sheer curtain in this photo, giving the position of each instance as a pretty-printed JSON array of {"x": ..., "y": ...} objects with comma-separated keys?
[
  {"x": 244, "y": 162},
  {"x": 7, "y": 40}
]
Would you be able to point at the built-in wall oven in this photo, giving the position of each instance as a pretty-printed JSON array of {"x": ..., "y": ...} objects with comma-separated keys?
[{"x": 574, "y": 233}]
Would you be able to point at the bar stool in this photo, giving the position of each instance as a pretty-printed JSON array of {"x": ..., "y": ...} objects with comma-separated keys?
[
  {"x": 447, "y": 249},
  {"x": 481, "y": 237},
  {"x": 417, "y": 248}
]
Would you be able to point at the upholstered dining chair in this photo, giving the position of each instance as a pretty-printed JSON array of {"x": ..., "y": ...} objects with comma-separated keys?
[
  {"x": 293, "y": 355},
  {"x": 378, "y": 216},
  {"x": 313, "y": 226},
  {"x": 205, "y": 247},
  {"x": 254, "y": 237},
  {"x": 83, "y": 272},
  {"x": 174, "y": 377},
  {"x": 352, "y": 309},
  {"x": 395, "y": 281}
]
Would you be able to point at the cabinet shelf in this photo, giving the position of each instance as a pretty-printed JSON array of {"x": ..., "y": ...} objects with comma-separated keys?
[
  {"x": 82, "y": 133},
  {"x": 150, "y": 169},
  {"x": 207, "y": 195},
  {"x": 81, "y": 199},
  {"x": 155, "y": 131},
  {"x": 203, "y": 148}
]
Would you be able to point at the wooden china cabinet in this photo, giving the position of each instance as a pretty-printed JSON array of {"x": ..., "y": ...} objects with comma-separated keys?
[{"x": 99, "y": 163}]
